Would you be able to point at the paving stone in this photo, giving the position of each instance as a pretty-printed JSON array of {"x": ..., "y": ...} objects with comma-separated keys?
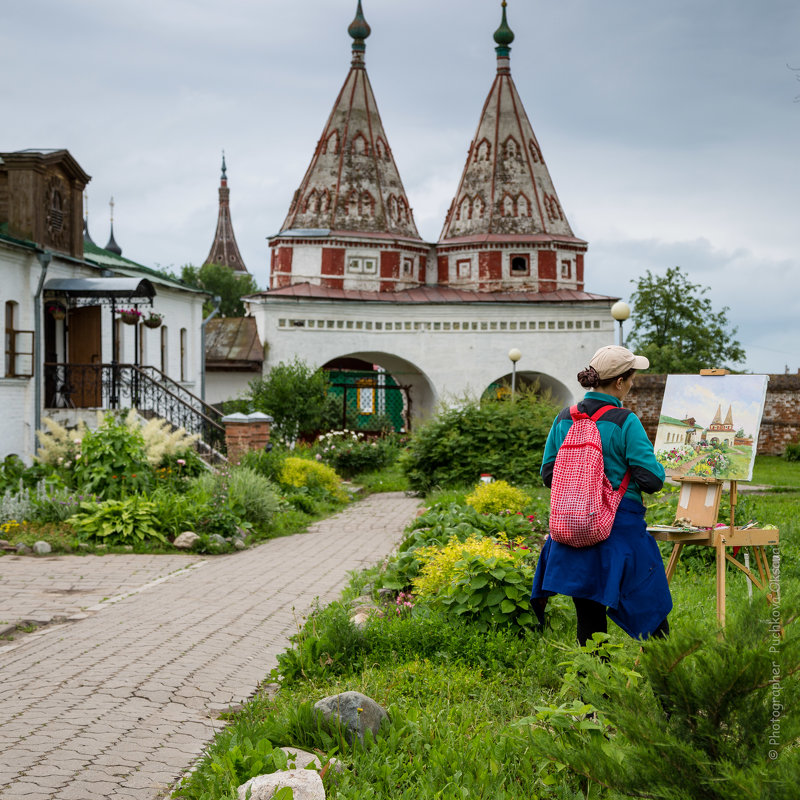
[{"x": 125, "y": 691}]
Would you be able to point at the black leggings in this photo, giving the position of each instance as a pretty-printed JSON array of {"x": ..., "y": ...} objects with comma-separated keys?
[{"x": 592, "y": 619}]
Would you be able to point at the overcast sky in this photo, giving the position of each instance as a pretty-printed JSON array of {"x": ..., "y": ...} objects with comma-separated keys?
[{"x": 671, "y": 130}]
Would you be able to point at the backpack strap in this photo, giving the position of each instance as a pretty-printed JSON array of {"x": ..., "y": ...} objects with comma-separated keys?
[
  {"x": 623, "y": 487},
  {"x": 601, "y": 411}
]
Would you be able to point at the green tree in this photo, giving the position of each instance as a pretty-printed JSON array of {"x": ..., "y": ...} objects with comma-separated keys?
[
  {"x": 296, "y": 397},
  {"x": 676, "y": 327},
  {"x": 217, "y": 279}
]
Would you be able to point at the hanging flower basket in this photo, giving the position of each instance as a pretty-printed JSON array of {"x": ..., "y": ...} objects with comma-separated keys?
[
  {"x": 153, "y": 320},
  {"x": 130, "y": 316},
  {"x": 57, "y": 312}
]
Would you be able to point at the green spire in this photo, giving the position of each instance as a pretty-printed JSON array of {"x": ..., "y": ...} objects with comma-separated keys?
[
  {"x": 359, "y": 30},
  {"x": 503, "y": 36}
]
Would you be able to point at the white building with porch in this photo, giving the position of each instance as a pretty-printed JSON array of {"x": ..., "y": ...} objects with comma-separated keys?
[{"x": 69, "y": 348}]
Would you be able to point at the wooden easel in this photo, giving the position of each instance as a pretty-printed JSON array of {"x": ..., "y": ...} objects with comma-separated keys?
[{"x": 698, "y": 503}]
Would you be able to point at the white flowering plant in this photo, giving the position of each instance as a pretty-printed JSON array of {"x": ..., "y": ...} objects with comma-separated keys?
[{"x": 353, "y": 452}]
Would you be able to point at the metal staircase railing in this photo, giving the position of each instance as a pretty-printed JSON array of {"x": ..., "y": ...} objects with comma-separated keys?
[{"x": 115, "y": 386}]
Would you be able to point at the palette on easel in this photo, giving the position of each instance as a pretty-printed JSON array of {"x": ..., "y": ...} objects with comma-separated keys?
[{"x": 701, "y": 446}]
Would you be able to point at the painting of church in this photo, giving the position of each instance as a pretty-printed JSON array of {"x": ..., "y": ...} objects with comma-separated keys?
[{"x": 709, "y": 425}]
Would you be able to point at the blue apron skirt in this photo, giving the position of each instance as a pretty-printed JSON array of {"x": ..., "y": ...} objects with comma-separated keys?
[{"x": 625, "y": 573}]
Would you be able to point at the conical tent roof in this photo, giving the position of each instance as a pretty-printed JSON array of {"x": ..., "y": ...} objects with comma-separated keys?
[
  {"x": 224, "y": 249},
  {"x": 352, "y": 183},
  {"x": 505, "y": 188}
]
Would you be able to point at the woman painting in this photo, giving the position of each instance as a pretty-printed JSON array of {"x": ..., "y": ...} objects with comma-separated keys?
[{"x": 622, "y": 577}]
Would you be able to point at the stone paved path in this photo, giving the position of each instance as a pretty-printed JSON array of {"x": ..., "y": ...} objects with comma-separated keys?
[{"x": 121, "y": 703}]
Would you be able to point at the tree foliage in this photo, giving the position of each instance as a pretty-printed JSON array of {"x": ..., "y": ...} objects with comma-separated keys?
[
  {"x": 677, "y": 328},
  {"x": 217, "y": 279},
  {"x": 296, "y": 396}
]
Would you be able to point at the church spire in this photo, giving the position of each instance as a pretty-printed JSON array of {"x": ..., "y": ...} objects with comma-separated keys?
[
  {"x": 352, "y": 184},
  {"x": 224, "y": 249},
  {"x": 506, "y": 196},
  {"x": 112, "y": 245},
  {"x": 87, "y": 239}
]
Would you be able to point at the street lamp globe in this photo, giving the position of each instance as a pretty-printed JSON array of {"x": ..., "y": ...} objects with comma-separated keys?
[
  {"x": 514, "y": 354},
  {"x": 620, "y": 311}
]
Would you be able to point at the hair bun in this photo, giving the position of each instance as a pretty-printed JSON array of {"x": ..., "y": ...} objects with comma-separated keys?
[{"x": 588, "y": 378}]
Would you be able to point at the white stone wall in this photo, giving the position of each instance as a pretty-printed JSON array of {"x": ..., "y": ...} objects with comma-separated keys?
[
  {"x": 444, "y": 351},
  {"x": 19, "y": 278},
  {"x": 229, "y": 385}
]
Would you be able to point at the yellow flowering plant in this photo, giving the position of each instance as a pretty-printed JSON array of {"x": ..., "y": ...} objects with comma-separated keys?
[{"x": 497, "y": 496}]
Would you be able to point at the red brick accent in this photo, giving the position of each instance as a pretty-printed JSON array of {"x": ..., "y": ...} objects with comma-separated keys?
[
  {"x": 579, "y": 270},
  {"x": 332, "y": 264},
  {"x": 547, "y": 271},
  {"x": 244, "y": 435},
  {"x": 490, "y": 269},
  {"x": 443, "y": 268},
  {"x": 780, "y": 423},
  {"x": 423, "y": 269},
  {"x": 390, "y": 268}
]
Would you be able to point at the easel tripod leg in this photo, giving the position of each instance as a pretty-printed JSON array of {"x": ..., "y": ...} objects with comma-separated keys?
[
  {"x": 673, "y": 560},
  {"x": 720, "y": 548}
]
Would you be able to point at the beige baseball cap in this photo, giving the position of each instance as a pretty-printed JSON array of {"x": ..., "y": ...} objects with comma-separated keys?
[{"x": 613, "y": 360}]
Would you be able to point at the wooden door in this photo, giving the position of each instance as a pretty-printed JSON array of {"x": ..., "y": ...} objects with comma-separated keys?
[{"x": 85, "y": 357}]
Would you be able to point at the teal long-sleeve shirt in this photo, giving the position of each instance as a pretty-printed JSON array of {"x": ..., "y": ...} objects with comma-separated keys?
[{"x": 625, "y": 446}]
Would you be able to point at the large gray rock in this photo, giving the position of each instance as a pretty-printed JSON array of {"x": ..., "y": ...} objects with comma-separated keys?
[
  {"x": 185, "y": 540},
  {"x": 355, "y": 712},
  {"x": 42, "y": 548},
  {"x": 304, "y": 783},
  {"x": 23, "y": 549}
]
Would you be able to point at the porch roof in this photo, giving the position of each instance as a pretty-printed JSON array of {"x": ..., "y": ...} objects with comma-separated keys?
[{"x": 116, "y": 288}]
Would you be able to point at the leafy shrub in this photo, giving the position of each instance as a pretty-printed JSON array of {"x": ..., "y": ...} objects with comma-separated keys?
[
  {"x": 58, "y": 504},
  {"x": 296, "y": 396},
  {"x": 119, "y": 522},
  {"x": 302, "y": 472},
  {"x": 443, "y": 523},
  {"x": 268, "y": 463},
  {"x": 112, "y": 461},
  {"x": 499, "y": 437},
  {"x": 483, "y": 579},
  {"x": 492, "y": 498},
  {"x": 792, "y": 452},
  {"x": 215, "y": 512},
  {"x": 351, "y": 452},
  {"x": 705, "y": 715},
  {"x": 252, "y": 496}
]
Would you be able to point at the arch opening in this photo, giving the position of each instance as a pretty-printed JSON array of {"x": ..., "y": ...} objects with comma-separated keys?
[
  {"x": 538, "y": 382},
  {"x": 379, "y": 391}
]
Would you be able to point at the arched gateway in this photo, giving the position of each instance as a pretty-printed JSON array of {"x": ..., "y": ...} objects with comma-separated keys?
[{"x": 351, "y": 276}]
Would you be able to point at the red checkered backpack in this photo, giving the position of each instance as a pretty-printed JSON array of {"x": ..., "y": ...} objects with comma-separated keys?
[{"x": 582, "y": 502}]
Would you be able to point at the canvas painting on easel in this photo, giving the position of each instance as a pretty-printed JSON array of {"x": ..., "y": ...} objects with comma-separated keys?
[{"x": 709, "y": 425}]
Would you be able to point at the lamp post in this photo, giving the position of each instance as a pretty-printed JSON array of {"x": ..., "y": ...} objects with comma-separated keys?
[
  {"x": 620, "y": 311},
  {"x": 515, "y": 356}
]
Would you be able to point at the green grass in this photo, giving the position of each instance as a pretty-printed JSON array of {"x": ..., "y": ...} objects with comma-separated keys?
[
  {"x": 388, "y": 479},
  {"x": 776, "y": 471}
]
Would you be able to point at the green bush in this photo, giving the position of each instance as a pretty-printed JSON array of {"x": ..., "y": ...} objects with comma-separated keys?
[
  {"x": 792, "y": 452},
  {"x": 498, "y": 437},
  {"x": 497, "y": 496},
  {"x": 351, "y": 452},
  {"x": 305, "y": 473},
  {"x": 296, "y": 397},
  {"x": 112, "y": 462},
  {"x": 442, "y": 523},
  {"x": 119, "y": 522},
  {"x": 706, "y": 715},
  {"x": 252, "y": 497}
]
